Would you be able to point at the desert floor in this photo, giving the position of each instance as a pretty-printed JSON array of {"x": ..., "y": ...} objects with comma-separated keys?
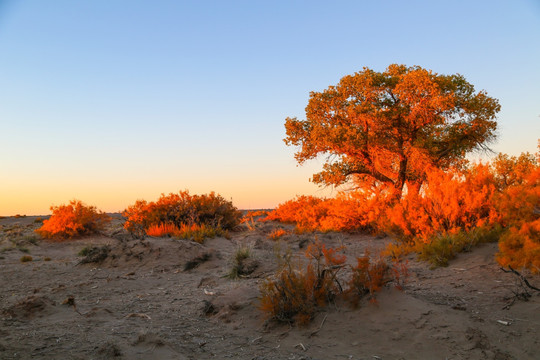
[{"x": 139, "y": 302}]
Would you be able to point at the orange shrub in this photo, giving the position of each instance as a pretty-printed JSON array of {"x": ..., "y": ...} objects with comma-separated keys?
[
  {"x": 358, "y": 210},
  {"x": 297, "y": 292},
  {"x": 276, "y": 234},
  {"x": 520, "y": 208},
  {"x": 73, "y": 220},
  {"x": 183, "y": 211},
  {"x": 449, "y": 202},
  {"x": 369, "y": 277}
]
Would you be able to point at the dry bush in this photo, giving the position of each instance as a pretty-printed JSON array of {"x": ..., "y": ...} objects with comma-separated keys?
[
  {"x": 26, "y": 258},
  {"x": 297, "y": 292},
  {"x": 250, "y": 217},
  {"x": 182, "y": 215},
  {"x": 368, "y": 277},
  {"x": 73, "y": 220}
]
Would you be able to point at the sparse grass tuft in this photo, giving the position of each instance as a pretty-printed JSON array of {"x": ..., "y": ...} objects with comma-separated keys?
[
  {"x": 26, "y": 258},
  {"x": 243, "y": 263},
  {"x": 445, "y": 247}
]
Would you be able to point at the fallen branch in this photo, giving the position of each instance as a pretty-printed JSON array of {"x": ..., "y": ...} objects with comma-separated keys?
[
  {"x": 523, "y": 278},
  {"x": 320, "y": 326}
]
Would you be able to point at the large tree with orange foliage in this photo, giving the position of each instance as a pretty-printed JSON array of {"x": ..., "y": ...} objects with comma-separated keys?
[{"x": 388, "y": 127}]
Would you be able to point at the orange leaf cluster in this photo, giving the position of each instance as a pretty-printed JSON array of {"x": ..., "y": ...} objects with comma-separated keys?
[{"x": 73, "y": 220}]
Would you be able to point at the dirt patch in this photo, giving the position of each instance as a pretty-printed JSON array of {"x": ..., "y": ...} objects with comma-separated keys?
[
  {"x": 30, "y": 307},
  {"x": 139, "y": 303}
]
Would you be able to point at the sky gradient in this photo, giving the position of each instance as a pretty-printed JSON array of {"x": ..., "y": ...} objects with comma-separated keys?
[{"x": 113, "y": 101}]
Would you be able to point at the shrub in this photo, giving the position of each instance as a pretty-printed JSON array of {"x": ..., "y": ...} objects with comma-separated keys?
[
  {"x": 243, "y": 263},
  {"x": 449, "y": 202},
  {"x": 368, "y": 277},
  {"x": 296, "y": 292},
  {"x": 519, "y": 206},
  {"x": 251, "y": 216},
  {"x": 276, "y": 234},
  {"x": 73, "y": 220},
  {"x": 519, "y": 247},
  {"x": 354, "y": 211},
  {"x": 182, "y": 215},
  {"x": 26, "y": 258}
]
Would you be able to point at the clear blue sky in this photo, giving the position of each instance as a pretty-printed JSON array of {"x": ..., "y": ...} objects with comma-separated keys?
[{"x": 112, "y": 101}]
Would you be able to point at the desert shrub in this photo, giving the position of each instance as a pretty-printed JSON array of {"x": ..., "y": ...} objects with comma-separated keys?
[
  {"x": 26, "y": 258},
  {"x": 73, "y": 220},
  {"x": 94, "y": 254},
  {"x": 250, "y": 217},
  {"x": 182, "y": 215},
  {"x": 519, "y": 247},
  {"x": 449, "y": 202},
  {"x": 85, "y": 251},
  {"x": 351, "y": 211},
  {"x": 297, "y": 291},
  {"x": 519, "y": 206},
  {"x": 242, "y": 263},
  {"x": 277, "y": 233},
  {"x": 368, "y": 277}
]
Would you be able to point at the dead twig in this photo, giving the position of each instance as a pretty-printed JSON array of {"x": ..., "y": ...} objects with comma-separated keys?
[
  {"x": 320, "y": 326},
  {"x": 523, "y": 278}
]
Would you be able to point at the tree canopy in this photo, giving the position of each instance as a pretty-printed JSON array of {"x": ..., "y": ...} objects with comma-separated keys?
[{"x": 389, "y": 127}]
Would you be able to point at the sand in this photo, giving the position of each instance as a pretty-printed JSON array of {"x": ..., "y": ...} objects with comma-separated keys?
[{"x": 139, "y": 302}]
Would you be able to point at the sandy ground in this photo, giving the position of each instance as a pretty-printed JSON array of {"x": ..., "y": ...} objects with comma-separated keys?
[{"x": 141, "y": 303}]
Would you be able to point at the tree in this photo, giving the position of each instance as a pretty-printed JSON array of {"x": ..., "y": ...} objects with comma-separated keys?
[{"x": 388, "y": 127}]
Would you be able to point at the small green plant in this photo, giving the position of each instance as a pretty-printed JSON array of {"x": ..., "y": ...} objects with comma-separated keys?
[
  {"x": 26, "y": 258},
  {"x": 85, "y": 251},
  {"x": 23, "y": 249},
  {"x": 243, "y": 263},
  {"x": 32, "y": 239},
  {"x": 95, "y": 254}
]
